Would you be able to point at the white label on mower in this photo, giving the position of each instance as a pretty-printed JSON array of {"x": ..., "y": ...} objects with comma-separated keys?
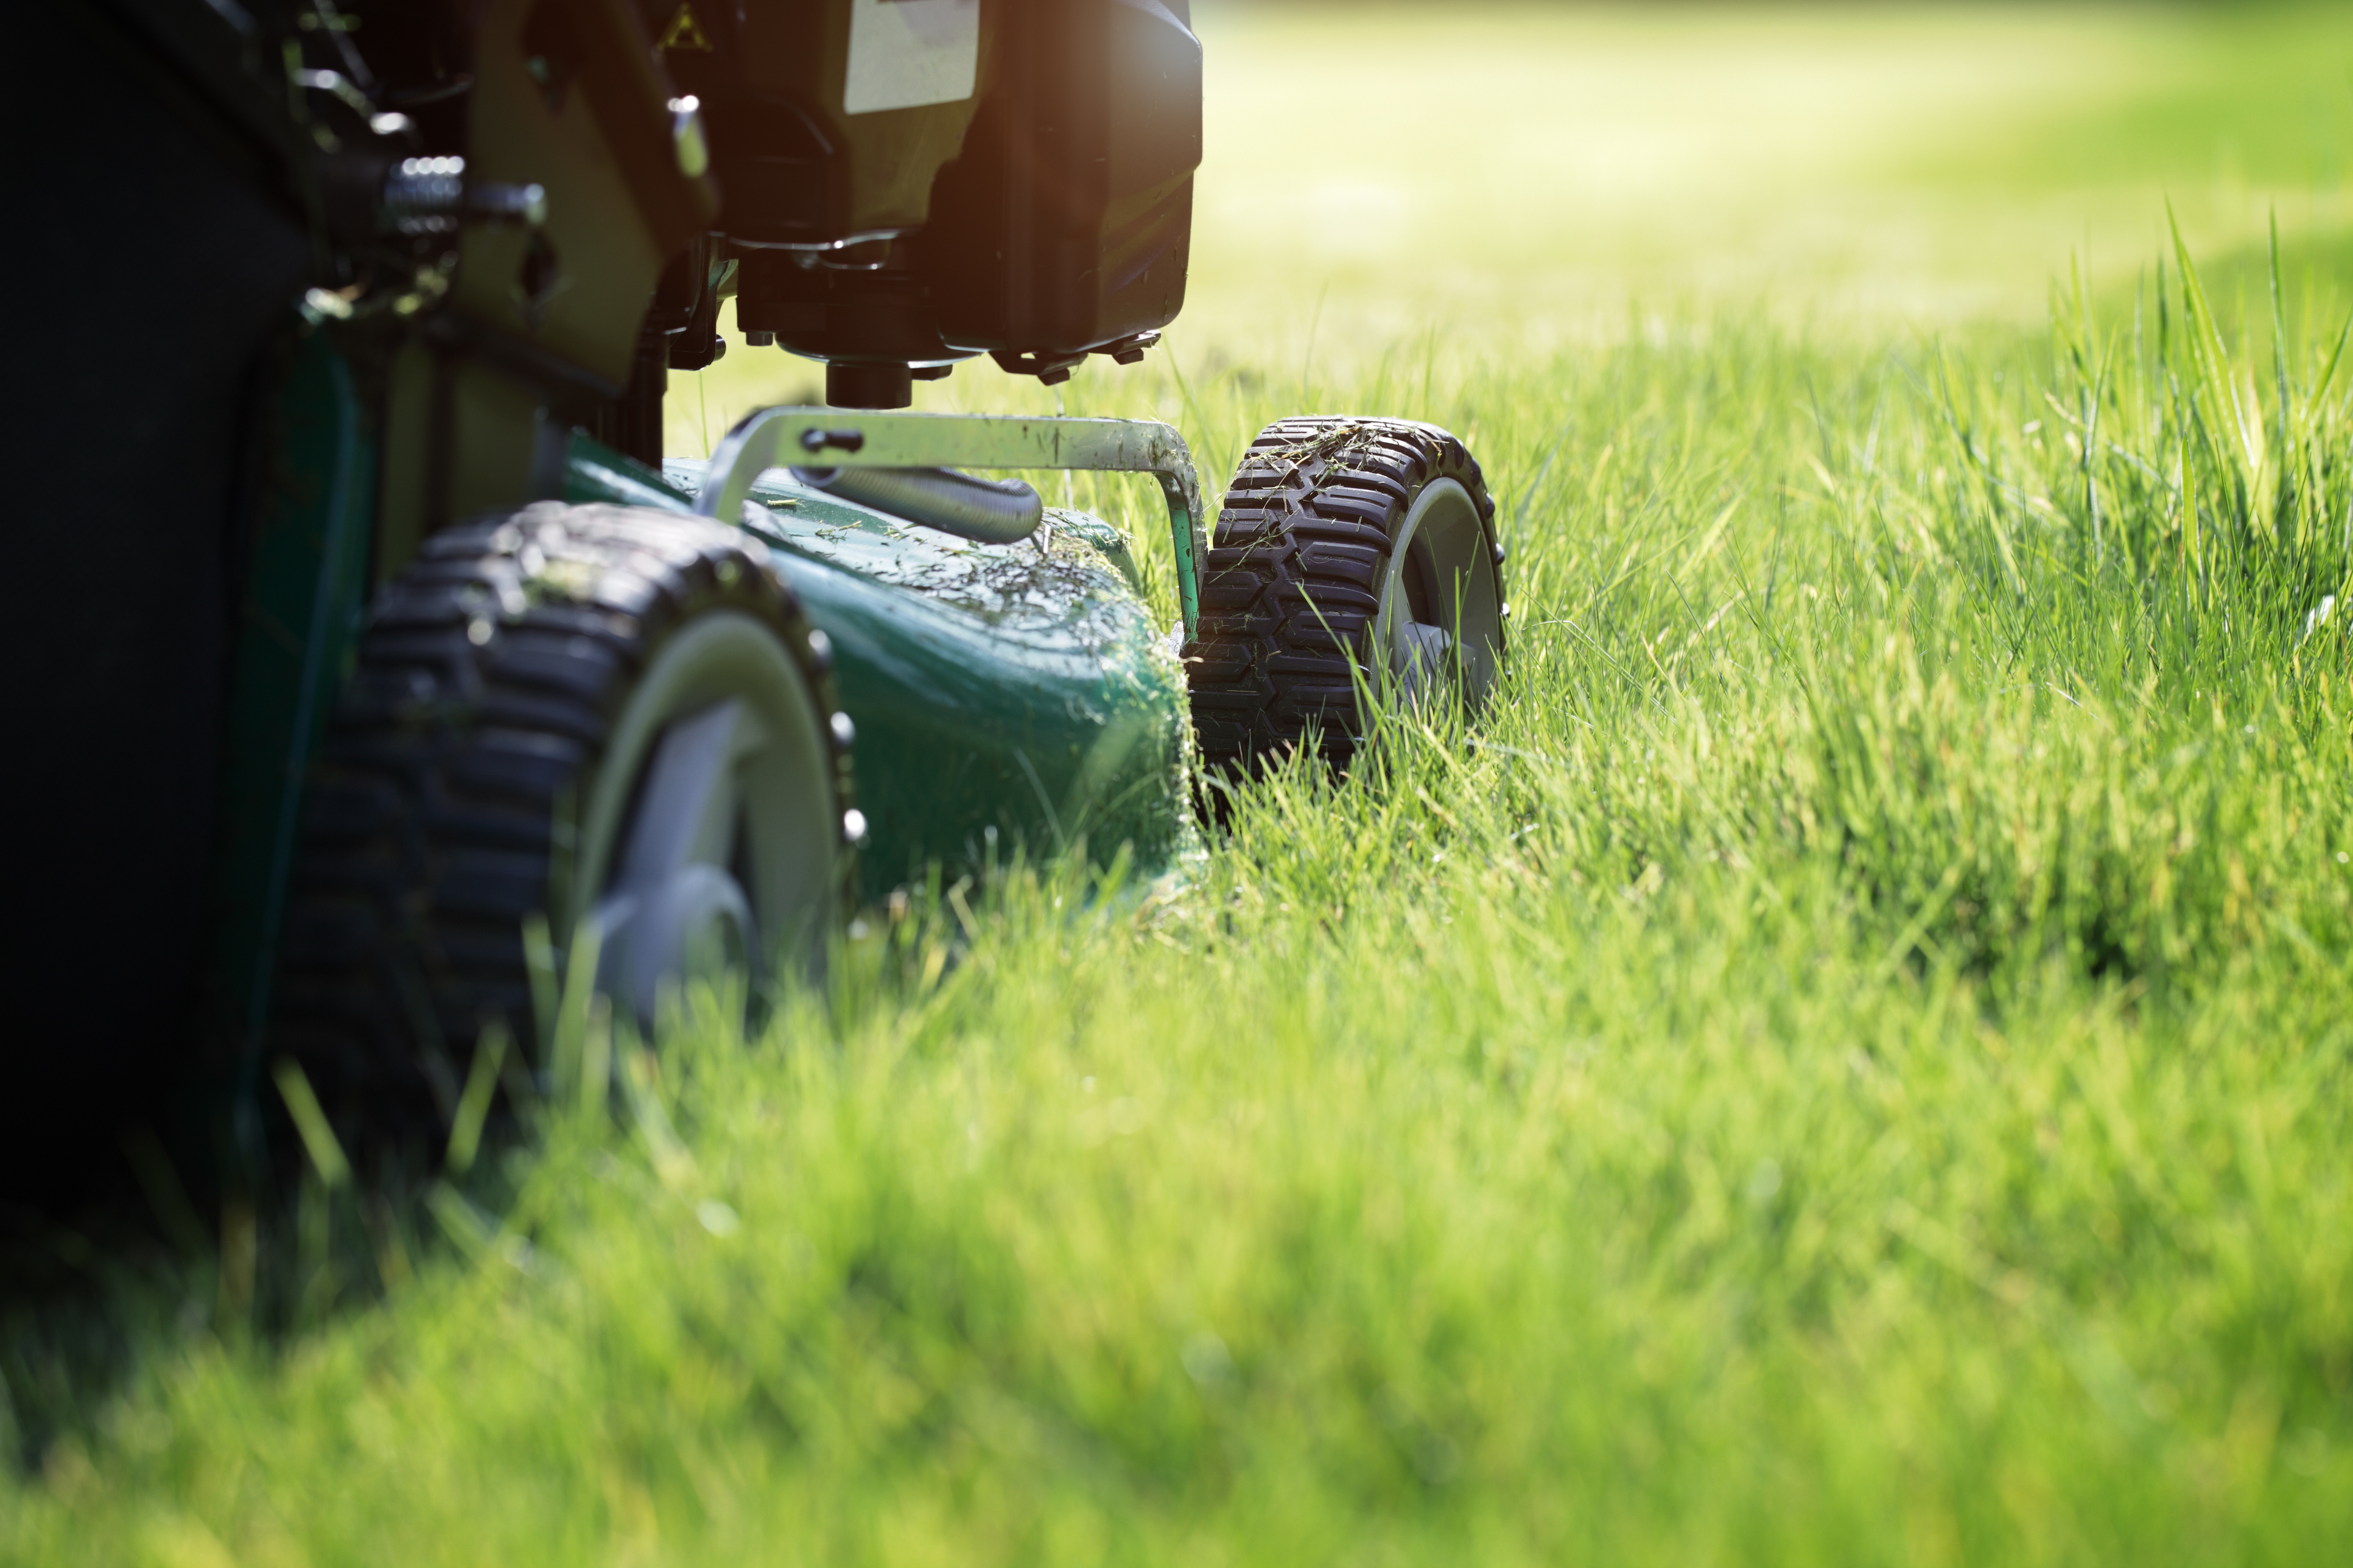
[{"x": 907, "y": 53}]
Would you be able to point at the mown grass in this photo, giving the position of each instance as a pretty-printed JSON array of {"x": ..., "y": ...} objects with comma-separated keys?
[{"x": 1847, "y": 1060}]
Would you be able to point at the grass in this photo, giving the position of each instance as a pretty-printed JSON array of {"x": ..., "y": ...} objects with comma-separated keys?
[{"x": 1847, "y": 1060}]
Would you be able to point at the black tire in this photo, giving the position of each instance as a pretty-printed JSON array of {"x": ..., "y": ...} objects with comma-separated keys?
[
  {"x": 1300, "y": 583},
  {"x": 448, "y": 802}
]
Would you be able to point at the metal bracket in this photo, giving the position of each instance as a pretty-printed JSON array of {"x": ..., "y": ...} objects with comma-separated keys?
[{"x": 835, "y": 438}]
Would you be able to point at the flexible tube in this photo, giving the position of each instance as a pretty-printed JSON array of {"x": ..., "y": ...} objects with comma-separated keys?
[{"x": 993, "y": 512}]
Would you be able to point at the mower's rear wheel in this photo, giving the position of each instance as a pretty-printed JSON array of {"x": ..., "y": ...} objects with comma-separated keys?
[
  {"x": 605, "y": 716},
  {"x": 1348, "y": 551}
]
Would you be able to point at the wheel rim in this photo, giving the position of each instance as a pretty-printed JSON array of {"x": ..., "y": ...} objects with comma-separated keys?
[
  {"x": 710, "y": 835},
  {"x": 1441, "y": 618}
]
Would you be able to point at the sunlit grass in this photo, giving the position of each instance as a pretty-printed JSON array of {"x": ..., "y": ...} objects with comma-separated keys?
[{"x": 1847, "y": 1059}]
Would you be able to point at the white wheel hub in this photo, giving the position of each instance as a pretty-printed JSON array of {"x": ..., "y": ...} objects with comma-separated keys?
[
  {"x": 1441, "y": 618},
  {"x": 710, "y": 837}
]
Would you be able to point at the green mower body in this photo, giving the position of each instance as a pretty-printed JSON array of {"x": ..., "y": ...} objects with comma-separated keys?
[{"x": 1006, "y": 697}]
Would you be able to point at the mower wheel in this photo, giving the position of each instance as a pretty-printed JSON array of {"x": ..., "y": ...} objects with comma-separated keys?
[
  {"x": 1348, "y": 551},
  {"x": 609, "y": 716}
]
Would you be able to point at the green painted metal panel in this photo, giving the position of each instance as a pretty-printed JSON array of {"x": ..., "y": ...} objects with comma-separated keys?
[{"x": 1014, "y": 689}]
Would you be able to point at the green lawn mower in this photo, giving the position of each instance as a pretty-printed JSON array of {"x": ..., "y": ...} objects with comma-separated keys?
[{"x": 375, "y": 664}]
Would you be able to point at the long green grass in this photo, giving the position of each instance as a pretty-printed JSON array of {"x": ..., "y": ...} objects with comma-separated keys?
[{"x": 1849, "y": 1059}]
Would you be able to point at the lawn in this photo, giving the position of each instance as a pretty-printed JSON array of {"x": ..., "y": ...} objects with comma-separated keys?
[{"x": 1850, "y": 1058}]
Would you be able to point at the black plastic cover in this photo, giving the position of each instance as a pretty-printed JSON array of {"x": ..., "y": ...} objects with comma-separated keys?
[
  {"x": 1065, "y": 224},
  {"x": 824, "y": 126}
]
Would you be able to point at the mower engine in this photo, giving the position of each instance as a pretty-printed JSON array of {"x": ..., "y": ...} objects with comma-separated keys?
[{"x": 906, "y": 184}]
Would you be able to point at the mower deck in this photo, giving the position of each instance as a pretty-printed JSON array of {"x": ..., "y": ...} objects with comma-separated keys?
[{"x": 1005, "y": 695}]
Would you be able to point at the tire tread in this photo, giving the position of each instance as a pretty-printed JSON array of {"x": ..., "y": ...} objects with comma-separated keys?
[
  {"x": 1291, "y": 586},
  {"x": 430, "y": 820}
]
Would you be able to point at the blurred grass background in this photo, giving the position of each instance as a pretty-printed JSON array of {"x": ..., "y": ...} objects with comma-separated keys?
[{"x": 1847, "y": 1060}]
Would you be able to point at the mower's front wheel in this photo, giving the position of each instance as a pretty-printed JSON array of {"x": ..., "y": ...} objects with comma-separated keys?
[
  {"x": 1348, "y": 552},
  {"x": 614, "y": 718}
]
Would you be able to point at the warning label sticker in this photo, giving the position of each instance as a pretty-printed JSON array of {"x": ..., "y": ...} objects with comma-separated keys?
[
  {"x": 684, "y": 32},
  {"x": 905, "y": 54}
]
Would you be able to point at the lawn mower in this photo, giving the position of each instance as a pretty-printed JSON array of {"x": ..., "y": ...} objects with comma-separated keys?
[{"x": 378, "y": 669}]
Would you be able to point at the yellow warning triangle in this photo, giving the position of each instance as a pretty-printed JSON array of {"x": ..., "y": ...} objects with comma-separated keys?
[{"x": 684, "y": 32}]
